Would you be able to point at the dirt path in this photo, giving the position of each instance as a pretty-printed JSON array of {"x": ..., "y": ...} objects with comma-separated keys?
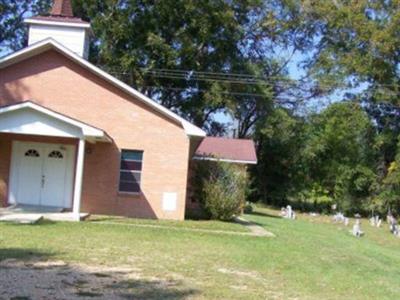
[
  {"x": 256, "y": 230},
  {"x": 57, "y": 280}
]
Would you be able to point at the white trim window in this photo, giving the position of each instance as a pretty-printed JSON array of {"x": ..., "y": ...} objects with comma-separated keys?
[{"x": 130, "y": 171}]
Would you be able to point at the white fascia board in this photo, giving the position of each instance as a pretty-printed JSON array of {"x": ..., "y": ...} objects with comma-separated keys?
[
  {"x": 190, "y": 129},
  {"x": 88, "y": 131},
  {"x": 55, "y": 23},
  {"x": 247, "y": 162},
  {"x": 25, "y": 53}
]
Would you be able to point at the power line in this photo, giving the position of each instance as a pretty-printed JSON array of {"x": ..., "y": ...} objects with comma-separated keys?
[
  {"x": 209, "y": 76},
  {"x": 229, "y": 81},
  {"x": 189, "y": 74},
  {"x": 279, "y": 98},
  {"x": 247, "y": 79},
  {"x": 204, "y": 90}
]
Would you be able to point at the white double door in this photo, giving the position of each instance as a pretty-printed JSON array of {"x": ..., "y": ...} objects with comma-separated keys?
[{"x": 42, "y": 174}]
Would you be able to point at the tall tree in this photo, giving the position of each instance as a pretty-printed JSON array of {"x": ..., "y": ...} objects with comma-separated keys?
[
  {"x": 279, "y": 173},
  {"x": 190, "y": 55},
  {"x": 13, "y": 32},
  {"x": 349, "y": 43},
  {"x": 340, "y": 156}
]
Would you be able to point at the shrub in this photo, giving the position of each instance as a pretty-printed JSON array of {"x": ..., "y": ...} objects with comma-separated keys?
[
  {"x": 248, "y": 208},
  {"x": 221, "y": 188},
  {"x": 316, "y": 198}
]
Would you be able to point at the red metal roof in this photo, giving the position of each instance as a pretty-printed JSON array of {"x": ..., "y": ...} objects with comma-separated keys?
[{"x": 235, "y": 150}]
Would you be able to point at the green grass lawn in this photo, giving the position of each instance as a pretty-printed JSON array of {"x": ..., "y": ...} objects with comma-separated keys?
[
  {"x": 309, "y": 258},
  {"x": 189, "y": 224}
]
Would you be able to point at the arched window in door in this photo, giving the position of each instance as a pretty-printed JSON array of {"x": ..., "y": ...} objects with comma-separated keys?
[
  {"x": 56, "y": 154},
  {"x": 32, "y": 153}
]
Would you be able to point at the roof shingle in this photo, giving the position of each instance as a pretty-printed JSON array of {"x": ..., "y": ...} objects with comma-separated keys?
[
  {"x": 234, "y": 150},
  {"x": 61, "y": 11}
]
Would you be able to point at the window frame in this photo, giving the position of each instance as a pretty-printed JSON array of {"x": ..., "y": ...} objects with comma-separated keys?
[{"x": 128, "y": 171}]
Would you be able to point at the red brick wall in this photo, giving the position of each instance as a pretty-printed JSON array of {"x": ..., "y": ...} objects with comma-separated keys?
[
  {"x": 5, "y": 154},
  {"x": 55, "y": 82}
]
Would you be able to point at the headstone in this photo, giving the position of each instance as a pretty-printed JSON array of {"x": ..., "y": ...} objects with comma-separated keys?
[
  {"x": 393, "y": 225},
  {"x": 283, "y": 212},
  {"x": 357, "y": 232},
  {"x": 375, "y": 221},
  {"x": 396, "y": 230},
  {"x": 372, "y": 221},
  {"x": 289, "y": 212},
  {"x": 339, "y": 218},
  {"x": 379, "y": 224}
]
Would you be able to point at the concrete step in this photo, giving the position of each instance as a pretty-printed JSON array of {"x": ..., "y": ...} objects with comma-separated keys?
[{"x": 21, "y": 218}]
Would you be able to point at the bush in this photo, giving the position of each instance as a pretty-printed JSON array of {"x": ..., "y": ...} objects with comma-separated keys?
[
  {"x": 221, "y": 188},
  {"x": 315, "y": 199},
  {"x": 248, "y": 208}
]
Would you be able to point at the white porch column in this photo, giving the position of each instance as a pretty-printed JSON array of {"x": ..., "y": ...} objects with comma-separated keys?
[{"x": 78, "y": 179}]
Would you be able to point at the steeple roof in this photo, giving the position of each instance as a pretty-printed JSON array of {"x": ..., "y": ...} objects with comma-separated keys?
[
  {"x": 61, "y": 11},
  {"x": 62, "y": 8}
]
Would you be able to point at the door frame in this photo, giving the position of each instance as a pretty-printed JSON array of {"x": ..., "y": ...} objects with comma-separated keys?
[{"x": 15, "y": 167}]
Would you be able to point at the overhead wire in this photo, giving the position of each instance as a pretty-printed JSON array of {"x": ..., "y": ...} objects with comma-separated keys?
[{"x": 245, "y": 79}]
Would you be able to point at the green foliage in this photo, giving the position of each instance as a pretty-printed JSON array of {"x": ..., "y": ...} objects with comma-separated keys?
[
  {"x": 338, "y": 138},
  {"x": 339, "y": 154},
  {"x": 314, "y": 162},
  {"x": 13, "y": 33},
  {"x": 221, "y": 188},
  {"x": 329, "y": 157},
  {"x": 279, "y": 171},
  {"x": 316, "y": 198},
  {"x": 355, "y": 188},
  {"x": 352, "y": 43},
  {"x": 138, "y": 40},
  {"x": 389, "y": 196}
]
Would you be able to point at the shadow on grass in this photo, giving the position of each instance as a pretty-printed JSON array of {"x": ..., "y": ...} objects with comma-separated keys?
[
  {"x": 263, "y": 214},
  {"x": 247, "y": 222},
  {"x": 22, "y": 254},
  {"x": 42, "y": 222},
  {"x": 102, "y": 219},
  {"x": 142, "y": 289},
  {"x": 43, "y": 278}
]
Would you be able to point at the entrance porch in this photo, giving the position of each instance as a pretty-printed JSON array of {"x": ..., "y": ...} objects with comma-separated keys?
[{"x": 41, "y": 175}]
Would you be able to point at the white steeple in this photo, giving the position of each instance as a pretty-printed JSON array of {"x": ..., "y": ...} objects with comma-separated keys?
[{"x": 61, "y": 25}]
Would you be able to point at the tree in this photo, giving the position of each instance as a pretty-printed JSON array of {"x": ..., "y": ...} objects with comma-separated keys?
[
  {"x": 13, "y": 33},
  {"x": 279, "y": 173},
  {"x": 339, "y": 152},
  {"x": 350, "y": 43},
  {"x": 197, "y": 58}
]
